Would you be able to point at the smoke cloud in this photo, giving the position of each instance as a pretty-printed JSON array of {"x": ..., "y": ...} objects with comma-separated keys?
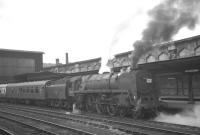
[
  {"x": 166, "y": 20},
  {"x": 191, "y": 118},
  {"x": 1, "y": 5},
  {"x": 123, "y": 26}
]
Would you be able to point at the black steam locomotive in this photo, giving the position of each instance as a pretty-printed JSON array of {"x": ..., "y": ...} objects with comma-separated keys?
[{"x": 127, "y": 93}]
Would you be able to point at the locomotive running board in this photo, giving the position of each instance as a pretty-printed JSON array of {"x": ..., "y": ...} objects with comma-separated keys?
[{"x": 101, "y": 91}]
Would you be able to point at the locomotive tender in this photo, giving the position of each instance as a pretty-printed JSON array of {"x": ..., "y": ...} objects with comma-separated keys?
[{"x": 128, "y": 93}]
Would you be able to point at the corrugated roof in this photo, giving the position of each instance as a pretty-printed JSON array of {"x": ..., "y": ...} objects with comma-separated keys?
[{"x": 21, "y": 51}]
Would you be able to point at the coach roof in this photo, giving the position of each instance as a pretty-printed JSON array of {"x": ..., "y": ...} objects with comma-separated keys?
[{"x": 44, "y": 82}]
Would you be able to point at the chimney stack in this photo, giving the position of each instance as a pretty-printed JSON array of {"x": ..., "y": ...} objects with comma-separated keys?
[
  {"x": 57, "y": 61},
  {"x": 66, "y": 57}
]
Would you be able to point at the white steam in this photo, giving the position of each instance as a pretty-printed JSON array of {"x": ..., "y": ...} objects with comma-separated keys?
[
  {"x": 108, "y": 54},
  {"x": 104, "y": 67},
  {"x": 187, "y": 117}
]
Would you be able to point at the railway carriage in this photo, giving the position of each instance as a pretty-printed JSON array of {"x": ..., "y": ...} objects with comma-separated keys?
[
  {"x": 26, "y": 92},
  {"x": 53, "y": 93}
]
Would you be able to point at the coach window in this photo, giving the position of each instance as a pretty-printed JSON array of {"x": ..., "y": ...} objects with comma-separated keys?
[
  {"x": 27, "y": 89},
  {"x": 32, "y": 90},
  {"x": 12, "y": 90},
  {"x": 20, "y": 90},
  {"x": 36, "y": 89}
]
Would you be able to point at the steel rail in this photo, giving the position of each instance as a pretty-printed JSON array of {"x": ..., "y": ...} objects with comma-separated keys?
[
  {"x": 28, "y": 125},
  {"x": 82, "y": 132},
  {"x": 127, "y": 124},
  {"x": 4, "y": 131}
]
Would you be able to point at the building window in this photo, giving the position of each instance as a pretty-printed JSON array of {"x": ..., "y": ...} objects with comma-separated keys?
[
  {"x": 163, "y": 56},
  {"x": 185, "y": 53},
  {"x": 151, "y": 58},
  {"x": 198, "y": 42},
  {"x": 197, "y": 51}
]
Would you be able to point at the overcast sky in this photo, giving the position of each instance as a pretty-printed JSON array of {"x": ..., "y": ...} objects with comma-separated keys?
[{"x": 84, "y": 28}]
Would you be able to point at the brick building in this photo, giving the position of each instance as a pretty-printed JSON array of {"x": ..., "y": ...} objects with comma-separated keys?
[{"x": 14, "y": 62}]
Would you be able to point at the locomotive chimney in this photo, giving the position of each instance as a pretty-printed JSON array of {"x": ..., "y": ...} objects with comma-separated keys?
[
  {"x": 66, "y": 57},
  {"x": 57, "y": 61}
]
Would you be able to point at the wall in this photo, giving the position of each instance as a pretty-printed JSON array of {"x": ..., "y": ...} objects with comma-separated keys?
[{"x": 14, "y": 62}]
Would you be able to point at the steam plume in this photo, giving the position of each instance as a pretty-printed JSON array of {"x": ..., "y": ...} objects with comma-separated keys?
[
  {"x": 187, "y": 117},
  {"x": 166, "y": 20},
  {"x": 123, "y": 26}
]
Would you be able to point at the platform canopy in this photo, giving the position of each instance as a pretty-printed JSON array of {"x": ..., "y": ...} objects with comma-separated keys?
[
  {"x": 190, "y": 64},
  {"x": 37, "y": 76}
]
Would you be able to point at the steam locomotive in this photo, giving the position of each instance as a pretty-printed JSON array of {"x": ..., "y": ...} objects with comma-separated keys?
[{"x": 128, "y": 93}]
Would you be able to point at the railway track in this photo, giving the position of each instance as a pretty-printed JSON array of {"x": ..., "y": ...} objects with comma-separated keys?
[
  {"x": 37, "y": 126},
  {"x": 9, "y": 126},
  {"x": 125, "y": 125},
  {"x": 51, "y": 123},
  {"x": 4, "y": 131}
]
